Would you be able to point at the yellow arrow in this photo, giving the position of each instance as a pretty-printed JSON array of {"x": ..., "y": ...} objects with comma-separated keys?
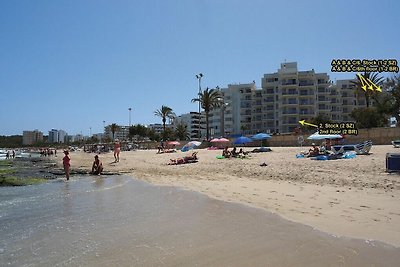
[
  {"x": 363, "y": 82},
  {"x": 378, "y": 88},
  {"x": 303, "y": 122}
]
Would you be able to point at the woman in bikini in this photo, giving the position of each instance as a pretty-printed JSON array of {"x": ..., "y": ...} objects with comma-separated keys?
[{"x": 117, "y": 150}]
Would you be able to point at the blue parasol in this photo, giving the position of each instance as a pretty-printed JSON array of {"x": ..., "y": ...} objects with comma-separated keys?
[
  {"x": 261, "y": 136},
  {"x": 242, "y": 140}
]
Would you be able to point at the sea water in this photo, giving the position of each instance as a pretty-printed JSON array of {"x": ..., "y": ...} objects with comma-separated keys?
[{"x": 120, "y": 221}]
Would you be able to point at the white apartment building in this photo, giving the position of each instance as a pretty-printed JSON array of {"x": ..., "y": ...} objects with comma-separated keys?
[
  {"x": 286, "y": 97},
  {"x": 234, "y": 117},
  {"x": 290, "y": 95},
  {"x": 348, "y": 100},
  {"x": 53, "y": 136},
  {"x": 62, "y": 136},
  {"x": 192, "y": 122},
  {"x": 57, "y": 136}
]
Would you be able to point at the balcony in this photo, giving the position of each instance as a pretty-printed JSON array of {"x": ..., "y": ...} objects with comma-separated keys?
[
  {"x": 290, "y": 93},
  {"x": 324, "y": 108},
  {"x": 289, "y": 113},
  {"x": 323, "y": 99},
  {"x": 302, "y": 93},
  {"x": 290, "y": 122},
  {"x": 285, "y": 103},
  {"x": 347, "y": 95},
  {"x": 307, "y": 103},
  {"x": 306, "y": 84}
]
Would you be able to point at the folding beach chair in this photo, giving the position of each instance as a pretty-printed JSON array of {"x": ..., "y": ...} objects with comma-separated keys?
[{"x": 396, "y": 143}]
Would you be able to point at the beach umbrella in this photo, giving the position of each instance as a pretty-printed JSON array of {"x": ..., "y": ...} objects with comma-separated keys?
[
  {"x": 317, "y": 136},
  {"x": 242, "y": 140},
  {"x": 261, "y": 136},
  {"x": 190, "y": 145},
  {"x": 214, "y": 140},
  {"x": 223, "y": 140},
  {"x": 193, "y": 143}
]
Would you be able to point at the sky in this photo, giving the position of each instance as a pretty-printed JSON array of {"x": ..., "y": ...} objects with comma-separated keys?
[{"x": 72, "y": 64}]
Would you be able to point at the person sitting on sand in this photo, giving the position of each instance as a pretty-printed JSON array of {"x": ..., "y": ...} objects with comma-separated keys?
[
  {"x": 328, "y": 144},
  {"x": 97, "y": 166},
  {"x": 242, "y": 152},
  {"x": 234, "y": 153},
  {"x": 314, "y": 150},
  {"x": 226, "y": 153}
]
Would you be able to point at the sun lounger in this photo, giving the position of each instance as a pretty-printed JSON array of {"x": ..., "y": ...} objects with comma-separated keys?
[
  {"x": 360, "y": 149},
  {"x": 396, "y": 143}
]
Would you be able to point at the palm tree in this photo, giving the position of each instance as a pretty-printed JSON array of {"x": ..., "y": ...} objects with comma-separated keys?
[
  {"x": 209, "y": 99},
  {"x": 360, "y": 85},
  {"x": 181, "y": 132},
  {"x": 164, "y": 113},
  {"x": 393, "y": 87},
  {"x": 114, "y": 128}
]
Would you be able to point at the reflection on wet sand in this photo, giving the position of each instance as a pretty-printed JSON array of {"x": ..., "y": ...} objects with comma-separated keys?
[{"x": 103, "y": 221}]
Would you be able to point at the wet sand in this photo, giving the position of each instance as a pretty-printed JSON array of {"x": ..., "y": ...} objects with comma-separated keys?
[
  {"x": 351, "y": 198},
  {"x": 120, "y": 221}
]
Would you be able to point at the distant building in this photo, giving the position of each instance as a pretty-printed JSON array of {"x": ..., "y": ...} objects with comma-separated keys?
[
  {"x": 234, "y": 117},
  {"x": 121, "y": 133},
  {"x": 76, "y": 138},
  {"x": 62, "y": 136},
  {"x": 57, "y": 136},
  {"x": 53, "y": 136},
  {"x": 158, "y": 127},
  {"x": 99, "y": 136},
  {"x": 191, "y": 120},
  {"x": 344, "y": 99},
  {"x": 286, "y": 97},
  {"x": 31, "y": 137}
]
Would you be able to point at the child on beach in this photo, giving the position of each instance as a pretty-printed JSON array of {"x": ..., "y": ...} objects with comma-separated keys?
[{"x": 66, "y": 163}]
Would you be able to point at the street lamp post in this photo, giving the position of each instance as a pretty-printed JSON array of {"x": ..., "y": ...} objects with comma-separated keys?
[
  {"x": 104, "y": 130},
  {"x": 199, "y": 76},
  {"x": 223, "y": 107},
  {"x": 130, "y": 109}
]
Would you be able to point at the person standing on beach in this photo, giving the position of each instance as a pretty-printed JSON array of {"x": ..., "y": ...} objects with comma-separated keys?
[
  {"x": 66, "y": 163},
  {"x": 117, "y": 150}
]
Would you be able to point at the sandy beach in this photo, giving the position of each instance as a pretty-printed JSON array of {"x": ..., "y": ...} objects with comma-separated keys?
[{"x": 346, "y": 197}]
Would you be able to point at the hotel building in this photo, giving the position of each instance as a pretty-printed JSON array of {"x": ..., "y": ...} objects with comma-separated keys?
[{"x": 285, "y": 97}]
